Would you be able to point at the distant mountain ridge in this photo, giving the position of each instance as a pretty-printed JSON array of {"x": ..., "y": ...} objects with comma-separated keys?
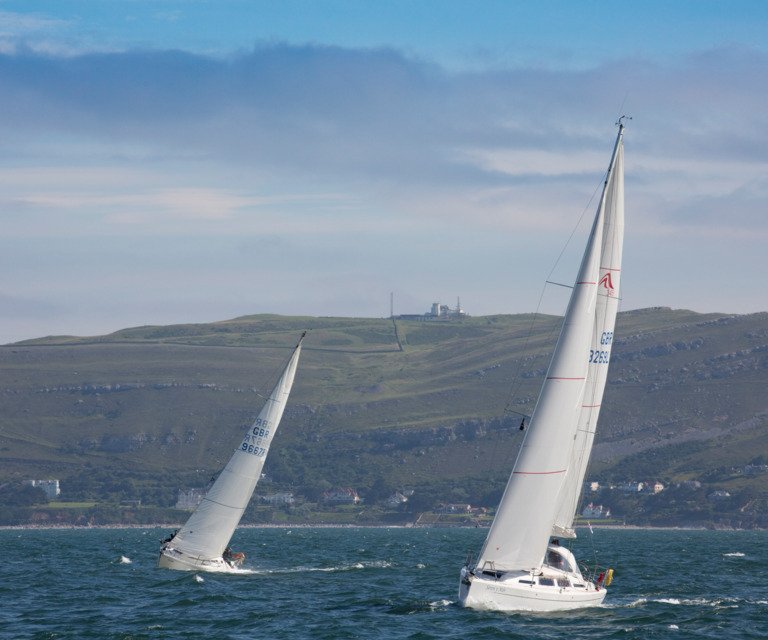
[{"x": 419, "y": 404}]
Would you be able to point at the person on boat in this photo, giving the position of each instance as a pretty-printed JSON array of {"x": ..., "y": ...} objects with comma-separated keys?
[
  {"x": 170, "y": 537},
  {"x": 233, "y": 558},
  {"x": 229, "y": 556}
]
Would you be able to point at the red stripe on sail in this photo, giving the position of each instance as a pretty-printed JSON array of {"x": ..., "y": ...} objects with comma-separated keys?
[{"x": 537, "y": 473}]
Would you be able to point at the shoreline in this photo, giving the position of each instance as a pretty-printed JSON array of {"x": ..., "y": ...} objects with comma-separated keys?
[{"x": 618, "y": 527}]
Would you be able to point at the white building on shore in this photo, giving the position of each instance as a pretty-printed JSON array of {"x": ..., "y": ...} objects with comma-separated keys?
[{"x": 50, "y": 487}]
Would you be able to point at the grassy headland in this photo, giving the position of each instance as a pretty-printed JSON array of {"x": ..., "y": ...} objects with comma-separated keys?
[{"x": 381, "y": 405}]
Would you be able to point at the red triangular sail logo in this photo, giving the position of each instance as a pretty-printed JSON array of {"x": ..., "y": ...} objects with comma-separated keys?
[{"x": 607, "y": 282}]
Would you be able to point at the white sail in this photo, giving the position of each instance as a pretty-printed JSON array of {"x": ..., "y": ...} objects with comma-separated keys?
[
  {"x": 209, "y": 529},
  {"x": 518, "y": 567},
  {"x": 520, "y": 531},
  {"x": 601, "y": 344}
]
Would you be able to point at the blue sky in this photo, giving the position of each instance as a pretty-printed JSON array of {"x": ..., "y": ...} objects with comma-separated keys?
[{"x": 192, "y": 161}]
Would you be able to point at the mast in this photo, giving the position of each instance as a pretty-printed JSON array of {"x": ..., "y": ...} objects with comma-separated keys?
[{"x": 607, "y": 304}]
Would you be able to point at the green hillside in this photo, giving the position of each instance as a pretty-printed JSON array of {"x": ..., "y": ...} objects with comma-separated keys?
[{"x": 432, "y": 406}]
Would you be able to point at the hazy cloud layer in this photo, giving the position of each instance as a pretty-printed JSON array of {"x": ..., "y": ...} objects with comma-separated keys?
[{"x": 316, "y": 179}]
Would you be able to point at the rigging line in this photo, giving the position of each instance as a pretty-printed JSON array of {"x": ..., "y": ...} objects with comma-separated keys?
[
  {"x": 515, "y": 386},
  {"x": 271, "y": 379}
]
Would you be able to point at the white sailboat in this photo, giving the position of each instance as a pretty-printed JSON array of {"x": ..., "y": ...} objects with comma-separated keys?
[
  {"x": 522, "y": 566},
  {"x": 202, "y": 543}
]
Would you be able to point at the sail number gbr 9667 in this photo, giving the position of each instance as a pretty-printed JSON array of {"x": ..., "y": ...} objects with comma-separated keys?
[
  {"x": 257, "y": 440},
  {"x": 599, "y": 356}
]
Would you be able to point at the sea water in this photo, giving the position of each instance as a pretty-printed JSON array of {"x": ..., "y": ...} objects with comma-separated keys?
[{"x": 381, "y": 583}]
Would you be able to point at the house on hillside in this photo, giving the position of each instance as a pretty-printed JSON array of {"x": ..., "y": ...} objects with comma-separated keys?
[
  {"x": 341, "y": 496},
  {"x": 454, "y": 508},
  {"x": 285, "y": 498},
  {"x": 51, "y": 488},
  {"x": 631, "y": 487},
  {"x": 396, "y": 499},
  {"x": 596, "y": 511}
]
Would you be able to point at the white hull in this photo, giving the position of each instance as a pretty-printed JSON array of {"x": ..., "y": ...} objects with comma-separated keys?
[
  {"x": 508, "y": 594},
  {"x": 173, "y": 559}
]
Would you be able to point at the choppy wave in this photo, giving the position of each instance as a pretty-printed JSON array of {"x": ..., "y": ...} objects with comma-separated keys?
[{"x": 327, "y": 584}]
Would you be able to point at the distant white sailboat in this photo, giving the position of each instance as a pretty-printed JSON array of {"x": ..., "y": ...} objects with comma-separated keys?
[
  {"x": 522, "y": 566},
  {"x": 202, "y": 544}
]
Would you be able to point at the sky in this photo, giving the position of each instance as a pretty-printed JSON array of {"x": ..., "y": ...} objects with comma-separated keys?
[{"x": 170, "y": 162}]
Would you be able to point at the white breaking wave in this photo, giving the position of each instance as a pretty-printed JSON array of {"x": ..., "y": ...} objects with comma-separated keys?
[
  {"x": 730, "y": 603},
  {"x": 440, "y": 604},
  {"x": 125, "y": 560},
  {"x": 199, "y": 578},
  {"x": 241, "y": 571},
  {"x": 735, "y": 554},
  {"x": 378, "y": 564}
]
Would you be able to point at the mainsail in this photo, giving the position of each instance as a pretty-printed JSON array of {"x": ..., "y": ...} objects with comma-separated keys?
[
  {"x": 209, "y": 529},
  {"x": 537, "y": 490}
]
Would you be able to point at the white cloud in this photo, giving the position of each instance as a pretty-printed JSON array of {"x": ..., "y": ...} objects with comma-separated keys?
[{"x": 16, "y": 24}]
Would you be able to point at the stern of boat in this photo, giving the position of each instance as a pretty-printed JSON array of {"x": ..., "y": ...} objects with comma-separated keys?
[{"x": 465, "y": 581}]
